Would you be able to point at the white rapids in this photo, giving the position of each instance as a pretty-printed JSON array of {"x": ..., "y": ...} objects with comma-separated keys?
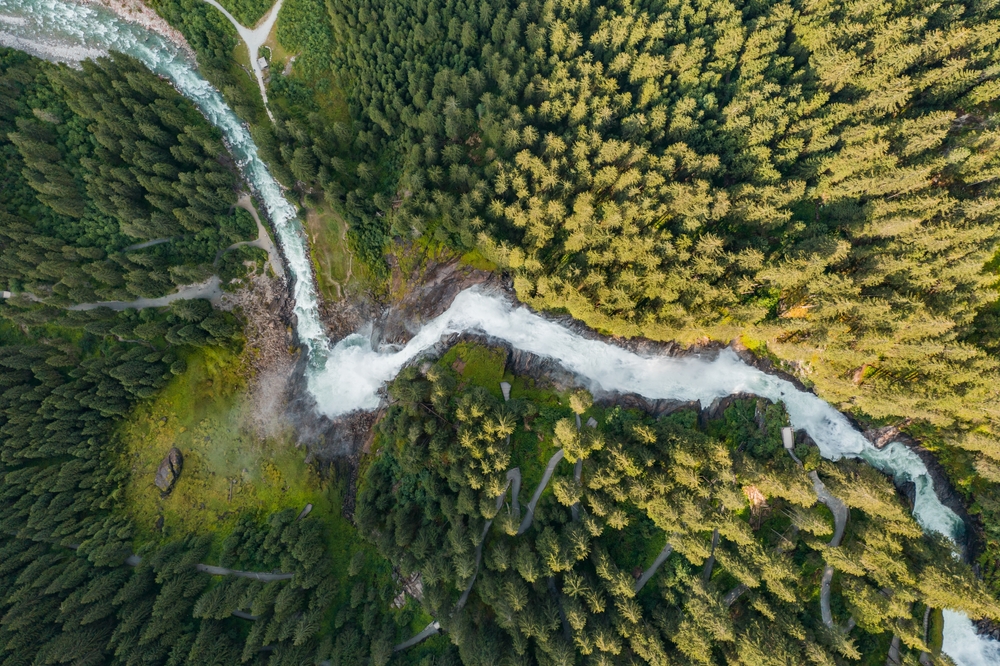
[{"x": 348, "y": 376}]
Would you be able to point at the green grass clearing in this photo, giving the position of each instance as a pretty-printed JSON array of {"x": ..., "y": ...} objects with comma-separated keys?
[
  {"x": 935, "y": 638},
  {"x": 332, "y": 260},
  {"x": 477, "y": 364},
  {"x": 227, "y": 471}
]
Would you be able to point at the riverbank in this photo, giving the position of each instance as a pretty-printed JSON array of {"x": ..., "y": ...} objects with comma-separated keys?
[{"x": 136, "y": 11}]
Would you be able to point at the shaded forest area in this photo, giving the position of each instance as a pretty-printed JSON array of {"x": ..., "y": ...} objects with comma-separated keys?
[
  {"x": 742, "y": 583},
  {"x": 93, "y": 161},
  {"x": 97, "y": 163}
]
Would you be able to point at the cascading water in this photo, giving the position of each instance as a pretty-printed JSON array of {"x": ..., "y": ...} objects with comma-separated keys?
[
  {"x": 348, "y": 375},
  {"x": 69, "y": 32}
]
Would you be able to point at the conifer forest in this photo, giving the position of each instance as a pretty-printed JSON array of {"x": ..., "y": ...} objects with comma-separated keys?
[{"x": 227, "y": 437}]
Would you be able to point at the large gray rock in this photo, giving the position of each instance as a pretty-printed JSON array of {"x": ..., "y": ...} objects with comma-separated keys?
[{"x": 169, "y": 470}]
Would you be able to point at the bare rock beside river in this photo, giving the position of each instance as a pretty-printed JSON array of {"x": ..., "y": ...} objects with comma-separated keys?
[
  {"x": 881, "y": 437},
  {"x": 421, "y": 294},
  {"x": 136, "y": 11}
]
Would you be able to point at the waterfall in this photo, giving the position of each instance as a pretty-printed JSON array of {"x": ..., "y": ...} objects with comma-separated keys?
[
  {"x": 68, "y": 32},
  {"x": 347, "y": 376}
]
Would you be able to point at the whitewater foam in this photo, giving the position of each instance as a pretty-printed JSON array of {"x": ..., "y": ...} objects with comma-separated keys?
[{"x": 348, "y": 376}]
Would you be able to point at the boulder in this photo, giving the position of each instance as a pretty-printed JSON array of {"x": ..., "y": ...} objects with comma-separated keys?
[{"x": 169, "y": 470}]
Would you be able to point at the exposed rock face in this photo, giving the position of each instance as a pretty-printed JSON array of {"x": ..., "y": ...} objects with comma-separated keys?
[
  {"x": 169, "y": 470},
  {"x": 986, "y": 627},
  {"x": 881, "y": 437},
  {"x": 908, "y": 489},
  {"x": 425, "y": 294}
]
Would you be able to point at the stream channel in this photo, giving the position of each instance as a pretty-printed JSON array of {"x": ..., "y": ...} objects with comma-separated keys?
[{"x": 347, "y": 376}]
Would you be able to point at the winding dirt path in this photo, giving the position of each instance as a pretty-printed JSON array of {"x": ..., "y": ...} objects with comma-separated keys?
[
  {"x": 840, "y": 515},
  {"x": 145, "y": 244},
  {"x": 513, "y": 479},
  {"x": 262, "y": 577},
  {"x": 431, "y": 629},
  {"x": 838, "y": 508},
  {"x": 254, "y": 39},
  {"x": 530, "y": 512},
  {"x": 648, "y": 573},
  {"x": 734, "y": 594},
  {"x": 263, "y": 240},
  {"x": 210, "y": 289}
]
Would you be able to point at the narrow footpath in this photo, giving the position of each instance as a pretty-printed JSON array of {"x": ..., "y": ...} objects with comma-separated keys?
[
  {"x": 840, "y": 516},
  {"x": 210, "y": 289}
]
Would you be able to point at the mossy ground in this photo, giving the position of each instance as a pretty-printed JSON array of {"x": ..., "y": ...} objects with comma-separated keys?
[
  {"x": 331, "y": 257},
  {"x": 228, "y": 471},
  {"x": 936, "y": 631}
]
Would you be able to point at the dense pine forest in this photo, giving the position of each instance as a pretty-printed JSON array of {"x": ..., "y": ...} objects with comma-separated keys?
[
  {"x": 742, "y": 583},
  {"x": 93, "y": 161},
  {"x": 813, "y": 179}
]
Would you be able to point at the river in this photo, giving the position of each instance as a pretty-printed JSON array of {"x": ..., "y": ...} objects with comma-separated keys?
[{"x": 348, "y": 375}]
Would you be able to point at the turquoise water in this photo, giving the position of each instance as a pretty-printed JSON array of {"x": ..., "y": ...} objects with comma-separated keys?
[{"x": 348, "y": 376}]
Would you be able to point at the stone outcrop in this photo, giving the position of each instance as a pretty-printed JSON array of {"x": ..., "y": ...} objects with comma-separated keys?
[
  {"x": 881, "y": 437},
  {"x": 424, "y": 294},
  {"x": 169, "y": 470},
  {"x": 987, "y": 627}
]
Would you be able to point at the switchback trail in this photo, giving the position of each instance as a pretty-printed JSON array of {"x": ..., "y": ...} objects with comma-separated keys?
[
  {"x": 840, "y": 516},
  {"x": 514, "y": 478}
]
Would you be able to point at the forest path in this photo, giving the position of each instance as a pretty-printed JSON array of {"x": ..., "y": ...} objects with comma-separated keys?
[
  {"x": 263, "y": 240},
  {"x": 530, "y": 512},
  {"x": 837, "y": 507},
  {"x": 145, "y": 244},
  {"x": 263, "y": 577},
  {"x": 824, "y": 596},
  {"x": 211, "y": 289},
  {"x": 428, "y": 631},
  {"x": 254, "y": 38},
  {"x": 840, "y": 516},
  {"x": 648, "y": 573},
  {"x": 513, "y": 478}
]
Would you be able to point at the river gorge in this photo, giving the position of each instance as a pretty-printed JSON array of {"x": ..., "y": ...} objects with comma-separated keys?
[{"x": 346, "y": 376}]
